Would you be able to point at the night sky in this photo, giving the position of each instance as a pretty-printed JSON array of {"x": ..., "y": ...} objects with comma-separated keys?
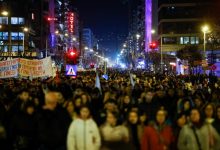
[{"x": 108, "y": 19}]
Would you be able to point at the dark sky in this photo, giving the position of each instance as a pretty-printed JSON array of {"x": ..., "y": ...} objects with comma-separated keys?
[{"x": 108, "y": 19}]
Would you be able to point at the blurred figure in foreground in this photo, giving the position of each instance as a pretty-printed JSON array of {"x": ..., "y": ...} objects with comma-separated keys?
[{"x": 83, "y": 133}]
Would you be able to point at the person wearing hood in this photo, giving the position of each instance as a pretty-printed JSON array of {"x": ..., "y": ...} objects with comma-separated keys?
[{"x": 83, "y": 133}]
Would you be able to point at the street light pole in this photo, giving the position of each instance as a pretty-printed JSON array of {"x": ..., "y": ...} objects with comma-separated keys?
[
  {"x": 161, "y": 53},
  {"x": 25, "y": 30},
  {"x": 204, "y": 46},
  {"x": 205, "y": 29},
  {"x": 46, "y": 47},
  {"x": 23, "y": 46}
]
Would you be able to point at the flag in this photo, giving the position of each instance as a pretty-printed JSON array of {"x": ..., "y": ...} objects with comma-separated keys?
[
  {"x": 131, "y": 80},
  {"x": 97, "y": 82},
  {"x": 105, "y": 76}
]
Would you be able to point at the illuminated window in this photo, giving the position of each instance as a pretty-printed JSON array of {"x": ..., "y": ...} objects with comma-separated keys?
[
  {"x": 3, "y": 35},
  {"x": 14, "y": 36},
  {"x": 4, "y": 48},
  {"x": 197, "y": 40},
  {"x": 17, "y": 35},
  {"x": 17, "y": 20},
  {"x": 192, "y": 40},
  {"x": 21, "y": 35},
  {"x": 186, "y": 40},
  {"x": 14, "y": 20},
  {"x": 181, "y": 40},
  {"x": 14, "y": 48},
  {"x": 3, "y": 20},
  {"x": 21, "y": 48},
  {"x": 21, "y": 20}
]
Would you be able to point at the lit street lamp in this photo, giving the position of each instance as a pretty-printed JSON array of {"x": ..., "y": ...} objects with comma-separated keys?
[
  {"x": 205, "y": 30},
  {"x": 153, "y": 31},
  {"x": 161, "y": 52},
  {"x": 4, "y": 13},
  {"x": 74, "y": 39},
  {"x": 56, "y": 32},
  {"x": 138, "y": 36}
]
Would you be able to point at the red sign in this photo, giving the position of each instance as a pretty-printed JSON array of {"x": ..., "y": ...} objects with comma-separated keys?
[
  {"x": 51, "y": 19},
  {"x": 71, "y": 22}
]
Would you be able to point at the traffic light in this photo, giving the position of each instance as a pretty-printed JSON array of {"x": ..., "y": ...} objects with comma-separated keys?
[
  {"x": 92, "y": 65},
  {"x": 71, "y": 57},
  {"x": 153, "y": 45}
]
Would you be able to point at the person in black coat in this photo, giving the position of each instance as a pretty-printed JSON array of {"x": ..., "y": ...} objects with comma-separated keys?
[
  {"x": 216, "y": 123},
  {"x": 22, "y": 129},
  {"x": 150, "y": 105},
  {"x": 52, "y": 124}
]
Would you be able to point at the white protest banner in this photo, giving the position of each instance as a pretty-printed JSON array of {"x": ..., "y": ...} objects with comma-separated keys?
[
  {"x": 9, "y": 68},
  {"x": 35, "y": 68}
]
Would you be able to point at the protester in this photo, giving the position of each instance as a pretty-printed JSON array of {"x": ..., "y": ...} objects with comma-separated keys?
[
  {"x": 150, "y": 105},
  {"x": 114, "y": 135},
  {"x": 158, "y": 135},
  {"x": 216, "y": 123},
  {"x": 209, "y": 111},
  {"x": 69, "y": 105},
  {"x": 52, "y": 124},
  {"x": 181, "y": 120},
  {"x": 195, "y": 135},
  {"x": 22, "y": 130},
  {"x": 135, "y": 130},
  {"x": 83, "y": 132}
]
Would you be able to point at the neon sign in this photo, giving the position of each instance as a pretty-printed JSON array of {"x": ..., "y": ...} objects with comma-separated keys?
[
  {"x": 71, "y": 22},
  {"x": 148, "y": 23}
]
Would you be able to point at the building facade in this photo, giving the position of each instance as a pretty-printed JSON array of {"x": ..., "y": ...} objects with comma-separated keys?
[
  {"x": 89, "y": 47},
  {"x": 133, "y": 48},
  {"x": 64, "y": 28},
  {"x": 180, "y": 23},
  {"x": 22, "y": 28}
]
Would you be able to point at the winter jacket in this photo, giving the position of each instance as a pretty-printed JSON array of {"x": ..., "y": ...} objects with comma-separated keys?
[
  {"x": 135, "y": 135},
  {"x": 52, "y": 128},
  {"x": 22, "y": 131},
  {"x": 157, "y": 139},
  {"x": 114, "y": 137},
  {"x": 83, "y": 135},
  {"x": 214, "y": 137},
  {"x": 187, "y": 139}
]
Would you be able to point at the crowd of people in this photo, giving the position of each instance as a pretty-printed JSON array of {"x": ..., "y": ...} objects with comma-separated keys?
[{"x": 157, "y": 112}]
